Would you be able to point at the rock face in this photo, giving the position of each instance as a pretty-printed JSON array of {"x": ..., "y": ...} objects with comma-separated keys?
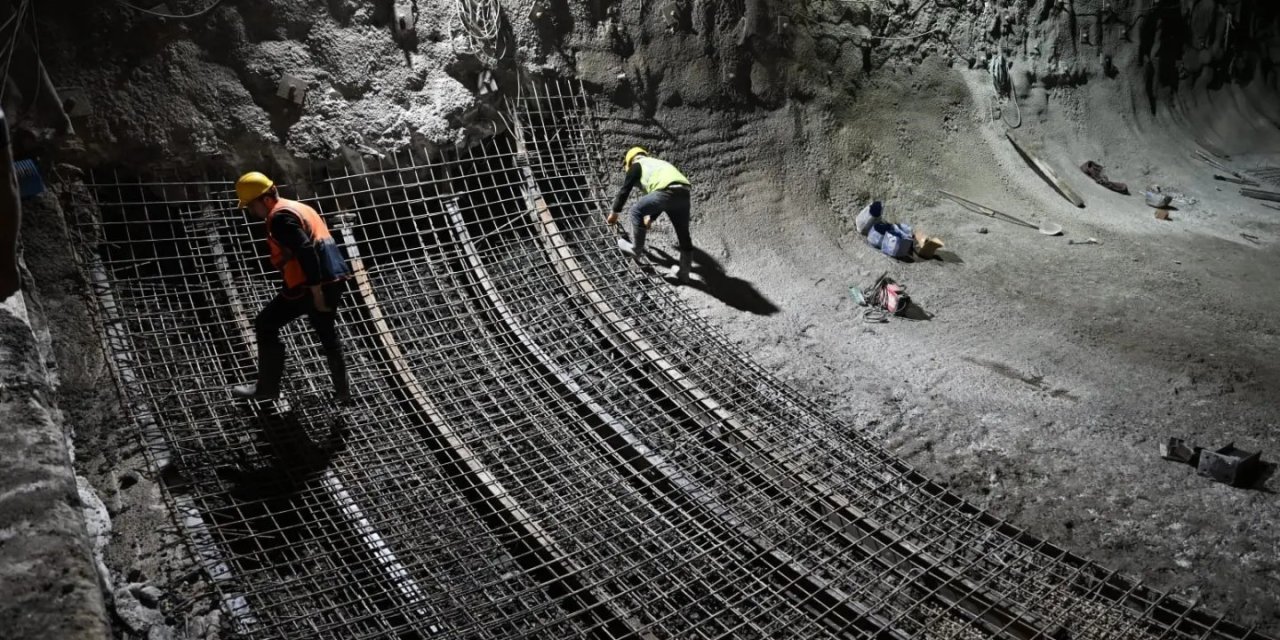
[
  {"x": 48, "y": 585},
  {"x": 207, "y": 86},
  {"x": 188, "y": 90}
]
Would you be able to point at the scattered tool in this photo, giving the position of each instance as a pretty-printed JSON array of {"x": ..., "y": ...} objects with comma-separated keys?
[
  {"x": 1261, "y": 194},
  {"x": 1047, "y": 173},
  {"x": 1244, "y": 181},
  {"x": 1047, "y": 228},
  {"x": 1270, "y": 206},
  {"x": 1089, "y": 241},
  {"x": 882, "y": 299},
  {"x": 1227, "y": 465},
  {"x": 1207, "y": 159},
  {"x": 1156, "y": 199},
  {"x": 1250, "y": 237}
]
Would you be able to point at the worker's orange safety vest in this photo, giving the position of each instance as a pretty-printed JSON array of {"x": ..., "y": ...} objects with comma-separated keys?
[{"x": 333, "y": 265}]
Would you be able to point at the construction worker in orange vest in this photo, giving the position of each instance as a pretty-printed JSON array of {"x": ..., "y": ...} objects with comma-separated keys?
[
  {"x": 315, "y": 274},
  {"x": 666, "y": 190}
]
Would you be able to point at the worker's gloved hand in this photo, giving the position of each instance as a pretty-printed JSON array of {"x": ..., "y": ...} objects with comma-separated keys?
[
  {"x": 611, "y": 219},
  {"x": 318, "y": 301}
]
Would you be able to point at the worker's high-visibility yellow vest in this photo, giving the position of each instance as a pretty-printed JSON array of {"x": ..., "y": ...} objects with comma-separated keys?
[{"x": 657, "y": 174}]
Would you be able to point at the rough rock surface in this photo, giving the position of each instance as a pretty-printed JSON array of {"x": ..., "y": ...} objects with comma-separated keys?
[
  {"x": 204, "y": 91},
  {"x": 48, "y": 584}
]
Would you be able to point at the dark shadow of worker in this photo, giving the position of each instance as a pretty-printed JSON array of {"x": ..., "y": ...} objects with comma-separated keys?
[
  {"x": 710, "y": 278},
  {"x": 289, "y": 456}
]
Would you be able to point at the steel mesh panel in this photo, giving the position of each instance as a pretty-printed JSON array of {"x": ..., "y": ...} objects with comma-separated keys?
[{"x": 545, "y": 443}]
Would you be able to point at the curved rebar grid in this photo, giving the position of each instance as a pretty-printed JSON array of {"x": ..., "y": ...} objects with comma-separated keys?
[{"x": 545, "y": 444}]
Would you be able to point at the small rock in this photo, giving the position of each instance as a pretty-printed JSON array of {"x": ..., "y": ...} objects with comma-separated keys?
[
  {"x": 148, "y": 594},
  {"x": 135, "y": 616},
  {"x": 982, "y": 230}
]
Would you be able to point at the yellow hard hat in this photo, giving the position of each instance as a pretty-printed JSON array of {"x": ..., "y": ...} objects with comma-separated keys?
[
  {"x": 631, "y": 155},
  {"x": 251, "y": 186}
]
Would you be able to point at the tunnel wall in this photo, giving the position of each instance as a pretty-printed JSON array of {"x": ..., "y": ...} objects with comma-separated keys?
[{"x": 49, "y": 585}]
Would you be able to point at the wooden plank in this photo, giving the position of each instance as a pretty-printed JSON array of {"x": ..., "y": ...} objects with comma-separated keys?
[
  {"x": 1047, "y": 173},
  {"x": 1260, "y": 194},
  {"x": 1244, "y": 181}
]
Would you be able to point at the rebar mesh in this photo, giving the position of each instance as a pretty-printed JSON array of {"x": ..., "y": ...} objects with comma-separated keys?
[{"x": 545, "y": 443}]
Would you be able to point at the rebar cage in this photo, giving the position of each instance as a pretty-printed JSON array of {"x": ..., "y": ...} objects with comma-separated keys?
[{"x": 545, "y": 443}]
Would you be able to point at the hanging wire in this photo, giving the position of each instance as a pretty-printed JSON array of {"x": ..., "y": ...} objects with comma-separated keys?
[
  {"x": 159, "y": 14},
  {"x": 19, "y": 18}
]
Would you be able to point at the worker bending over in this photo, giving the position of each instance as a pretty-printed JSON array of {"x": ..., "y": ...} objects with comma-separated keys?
[
  {"x": 315, "y": 275},
  {"x": 665, "y": 190}
]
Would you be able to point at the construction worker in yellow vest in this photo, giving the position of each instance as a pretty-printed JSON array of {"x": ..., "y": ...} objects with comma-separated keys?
[
  {"x": 665, "y": 190},
  {"x": 315, "y": 274}
]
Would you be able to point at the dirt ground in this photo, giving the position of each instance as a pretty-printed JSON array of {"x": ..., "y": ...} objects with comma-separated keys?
[{"x": 1046, "y": 374}]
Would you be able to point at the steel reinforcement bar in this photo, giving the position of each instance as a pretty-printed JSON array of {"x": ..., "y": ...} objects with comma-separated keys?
[{"x": 544, "y": 442}]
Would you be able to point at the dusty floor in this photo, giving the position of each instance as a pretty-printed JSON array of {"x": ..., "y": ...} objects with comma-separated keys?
[{"x": 1047, "y": 373}]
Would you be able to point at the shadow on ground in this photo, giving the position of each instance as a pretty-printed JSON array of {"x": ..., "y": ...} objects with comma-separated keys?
[
  {"x": 712, "y": 280},
  {"x": 290, "y": 456}
]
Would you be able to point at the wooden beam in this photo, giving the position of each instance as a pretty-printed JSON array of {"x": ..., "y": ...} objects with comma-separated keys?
[{"x": 1047, "y": 172}]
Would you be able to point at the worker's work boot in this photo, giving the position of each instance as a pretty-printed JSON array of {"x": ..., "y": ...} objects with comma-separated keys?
[
  {"x": 341, "y": 384},
  {"x": 637, "y": 245},
  {"x": 270, "y": 370},
  {"x": 686, "y": 266}
]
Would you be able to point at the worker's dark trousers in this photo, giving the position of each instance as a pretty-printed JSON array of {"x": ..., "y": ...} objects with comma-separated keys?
[
  {"x": 283, "y": 310},
  {"x": 675, "y": 202}
]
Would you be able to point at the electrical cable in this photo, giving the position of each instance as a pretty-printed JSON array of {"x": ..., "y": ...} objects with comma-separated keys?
[
  {"x": 12, "y": 45},
  {"x": 203, "y": 12},
  {"x": 910, "y": 37}
]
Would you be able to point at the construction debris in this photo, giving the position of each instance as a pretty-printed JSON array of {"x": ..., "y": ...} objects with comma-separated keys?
[
  {"x": 1176, "y": 449},
  {"x": 1244, "y": 181},
  {"x": 1047, "y": 173},
  {"x": 927, "y": 245},
  {"x": 1207, "y": 159},
  {"x": 1096, "y": 173},
  {"x": 1261, "y": 194},
  {"x": 883, "y": 298},
  {"x": 1228, "y": 465}
]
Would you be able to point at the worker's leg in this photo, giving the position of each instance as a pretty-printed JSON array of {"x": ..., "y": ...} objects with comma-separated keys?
[
  {"x": 10, "y": 216},
  {"x": 678, "y": 209},
  {"x": 325, "y": 325},
  {"x": 650, "y": 206},
  {"x": 279, "y": 312}
]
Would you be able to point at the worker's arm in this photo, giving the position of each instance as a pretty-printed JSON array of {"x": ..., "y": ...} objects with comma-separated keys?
[
  {"x": 10, "y": 217},
  {"x": 287, "y": 229},
  {"x": 632, "y": 181}
]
